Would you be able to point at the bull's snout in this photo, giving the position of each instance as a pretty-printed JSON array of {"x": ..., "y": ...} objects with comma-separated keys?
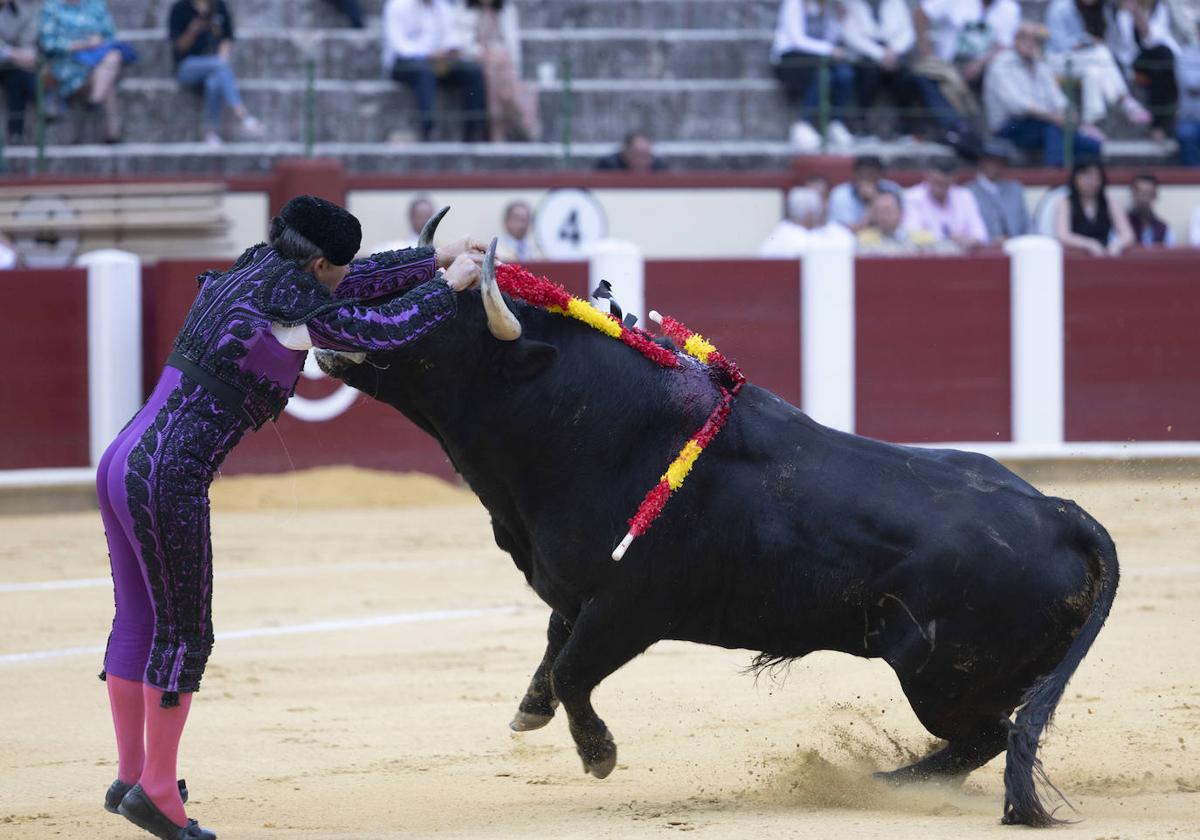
[{"x": 335, "y": 363}]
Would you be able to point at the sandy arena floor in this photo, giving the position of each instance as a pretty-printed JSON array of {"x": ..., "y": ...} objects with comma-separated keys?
[{"x": 324, "y": 724}]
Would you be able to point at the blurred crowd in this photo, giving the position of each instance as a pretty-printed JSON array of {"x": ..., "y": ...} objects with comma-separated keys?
[
  {"x": 963, "y": 71},
  {"x": 941, "y": 216}
]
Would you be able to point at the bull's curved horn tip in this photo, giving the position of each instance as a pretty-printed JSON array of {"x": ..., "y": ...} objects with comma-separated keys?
[
  {"x": 431, "y": 226},
  {"x": 656, "y": 317}
]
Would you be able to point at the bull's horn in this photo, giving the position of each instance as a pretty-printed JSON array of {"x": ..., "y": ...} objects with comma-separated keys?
[
  {"x": 501, "y": 322},
  {"x": 427, "y": 232}
]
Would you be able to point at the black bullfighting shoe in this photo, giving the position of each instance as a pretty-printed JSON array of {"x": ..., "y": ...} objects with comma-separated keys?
[
  {"x": 118, "y": 789},
  {"x": 139, "y": 810}
]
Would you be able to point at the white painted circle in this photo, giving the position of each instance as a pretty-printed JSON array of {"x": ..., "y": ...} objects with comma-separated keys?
[
  {"x": 325, "y": 408},
  {"x": 567, "y": 222}
]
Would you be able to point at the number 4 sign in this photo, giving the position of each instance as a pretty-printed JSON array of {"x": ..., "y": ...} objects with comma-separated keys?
[{"x": 567, "y": 221}]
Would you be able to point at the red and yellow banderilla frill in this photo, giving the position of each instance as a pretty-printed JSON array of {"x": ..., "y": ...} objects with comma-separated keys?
[{"x": 543, "y": 293}]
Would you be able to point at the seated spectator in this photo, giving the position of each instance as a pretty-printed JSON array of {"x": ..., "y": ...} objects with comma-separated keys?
[
  {"x": 820, "y": 185},
  {"x": 18, "y": 60},
  {"x": 946, "y": 212},
  {"x": 201, "y": 35},
  {"x": 884, "y": 233},
  {"x": 1026, "y": 106},
  {"x": 1001, "y": 201},
  {"x": 352, "y": 10},
  {"x": 1148, "y": 229},
  {"x": 77, "y": 37},
  {"x": 1089, "y": 218},
  {"x": 420, "y": 211},
  {"x": 1187, "y": 125},
  {"x": 848, "y": 202},
  {"x": 878, "y": 35},
  {"x": 422, "y": 49},
  {"x": 492, "y": 38},
  {"x": 1078, "y": 31},
  {"x": 635, "y": 155},
  {"x": 956, "y": 40},
  {"x": 806, "y": 32},
  {"x": 516, "y": 241},
  {"x": 1142, "y": 40},
  {"x": 804, "y": 224}
]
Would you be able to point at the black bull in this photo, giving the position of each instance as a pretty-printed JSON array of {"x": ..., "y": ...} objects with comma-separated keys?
[{"x": 788, "y": 537}]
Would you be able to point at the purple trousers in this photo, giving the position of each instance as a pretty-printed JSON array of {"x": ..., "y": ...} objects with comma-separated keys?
[{"x": 152, "y": 484}]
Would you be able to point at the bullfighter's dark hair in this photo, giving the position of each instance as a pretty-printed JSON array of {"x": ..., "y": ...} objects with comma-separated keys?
[{"x": 290, "y": 243}]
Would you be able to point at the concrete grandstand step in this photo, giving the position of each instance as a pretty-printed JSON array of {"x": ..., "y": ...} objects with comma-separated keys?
[
  {"x": 312, "y": 14},
  {"x": 601, "y": 53},
  {"x": 375, "y": 110},
  {"x": 557, "y": 14},
  {"x": 175, "y": 159}
]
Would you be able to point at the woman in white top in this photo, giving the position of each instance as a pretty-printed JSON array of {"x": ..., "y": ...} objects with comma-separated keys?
[
  {"x": 806, "y": 32},
  {"x": 1142, "y": 39},
  {"x": 1078, "y": 44},
  {"x": 493, "y": 39}
]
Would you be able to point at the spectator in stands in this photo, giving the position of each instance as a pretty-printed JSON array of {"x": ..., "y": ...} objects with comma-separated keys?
[
  {"x": 422, "y": 49},
  {"x": 420, "y": 211},
  {"x": 878, "y": 34},
  {"x": 77, "y": 37},
  {"x": 492, "y": 36},
  {"x": 18, "y": 60},
  {"x": 820, "y": 185},
  {"x": 635, "y": 155},
  {"x": 946, "y": 212},
  {"x": 352, "y": 10},
  {"x": 1148, "y": 229},
  {"x": 9, "y": 258},
  {"x": 201, "y": 36},
  {"x": 516, "y": 241},
  {"x": 1026, "y": 106},
  {"x": 955, "y": 41},
  {"x": 885, "y": 234},
  {"x": 804, "y": 224},
  {"x": 1078, "y": 33},
  {"x": 1187, "y": 124},
  {"x": 806, "y": 33},
  {"x": 848, "y": 202},
  {"x": 1089, "y": 218},
  {"x": 1142, "y": 40},
  {"x": 1001, "y": 201}
]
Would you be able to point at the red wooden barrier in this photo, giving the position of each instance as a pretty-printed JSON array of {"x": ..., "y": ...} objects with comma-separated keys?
[
  {"x": 749, "y": 309},
  {"x": 1132, "y": 348},
  {"x": 932, "y": 349},
  {"x": 44, "y": 402}
]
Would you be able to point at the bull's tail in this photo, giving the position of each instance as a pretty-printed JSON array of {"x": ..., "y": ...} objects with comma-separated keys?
[{"x": 1022, "y": 805}]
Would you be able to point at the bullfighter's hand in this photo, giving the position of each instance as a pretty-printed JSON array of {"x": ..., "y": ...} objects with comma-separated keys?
[
  {"x": 447, "y": 254},
  {"x": 463, "y": 273}
]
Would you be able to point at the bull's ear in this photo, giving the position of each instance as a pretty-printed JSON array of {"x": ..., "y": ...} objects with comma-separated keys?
[{"x": 526, "y": 359}]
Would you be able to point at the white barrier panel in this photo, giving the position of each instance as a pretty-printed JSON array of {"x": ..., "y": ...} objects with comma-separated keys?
[
  {"x": 827, "y": 333},
  {"x": 621, "y": 264},
  {"x": 1038, "y": 391},
  {"x": 114, "y": 344}
]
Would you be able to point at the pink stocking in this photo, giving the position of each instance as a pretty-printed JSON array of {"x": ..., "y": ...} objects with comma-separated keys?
[
  {"x": 125, "y": 700},
  {"x": 164, "y": 727}
]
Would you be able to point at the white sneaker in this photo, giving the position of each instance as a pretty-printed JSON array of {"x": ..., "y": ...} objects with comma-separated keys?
[
  {"x": 252, "y": 128},
  {"x": 211, "y": 138},
  {"x": 839, "y": 135},
  {"x": 804, "y": 137}
]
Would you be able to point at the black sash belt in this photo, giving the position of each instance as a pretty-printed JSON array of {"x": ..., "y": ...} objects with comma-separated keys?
[{"x": 231, "y": 397}]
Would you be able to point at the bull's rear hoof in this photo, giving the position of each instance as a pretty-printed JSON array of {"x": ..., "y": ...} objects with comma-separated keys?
[
  {"x": 602, "y": 758},
  {"x": 528, "y": 721}
]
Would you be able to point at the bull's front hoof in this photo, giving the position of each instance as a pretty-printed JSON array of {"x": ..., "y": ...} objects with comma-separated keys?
[
  {"x": 600, "y": 759},
  {"x": 528, "y": 721}
]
